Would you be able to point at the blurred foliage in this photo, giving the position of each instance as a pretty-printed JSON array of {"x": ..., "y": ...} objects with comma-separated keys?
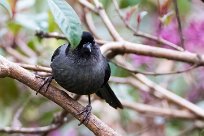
[
  {"x": 5, "y": 4},
  {"x": 184, "y": 6},
  {"x": 8, "y": 91},
  {"x": 127, "y": 3},
  {"x": 106, "y": 3},
  {"x": 20, "y": 19}
]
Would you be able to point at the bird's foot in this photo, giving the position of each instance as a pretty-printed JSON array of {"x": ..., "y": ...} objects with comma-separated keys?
[
  {"x": 86, "y": 112},
  {"x": 47, "y": 80}
]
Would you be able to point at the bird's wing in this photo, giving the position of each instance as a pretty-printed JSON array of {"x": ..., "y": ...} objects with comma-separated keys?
[
  {"x": 57, "y": 51},
  {"x": 107, "y": 73}
]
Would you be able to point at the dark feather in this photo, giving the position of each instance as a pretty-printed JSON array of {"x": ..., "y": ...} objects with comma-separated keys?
[
  {"x": 57, "y": 52},
  {"x": 108, "y": 95},
  {"x": 107, "y": 74}
]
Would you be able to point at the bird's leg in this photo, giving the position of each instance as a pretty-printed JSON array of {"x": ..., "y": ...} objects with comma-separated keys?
[
  {"x": 47, "y": 81},
  {"x": 86, "y": 111}
]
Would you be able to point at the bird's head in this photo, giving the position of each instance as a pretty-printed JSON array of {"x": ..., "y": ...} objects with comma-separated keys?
[{"x": 87, "y": 44}]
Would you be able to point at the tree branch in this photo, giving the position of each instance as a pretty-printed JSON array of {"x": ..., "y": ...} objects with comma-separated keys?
[
  {"x": 9, "y": 69},
  {"x": 23, "y": 130},
  {"x": 147, "y": 50},
  {"x": 122, "y": 47},
  {"x": 179, "y": 23},
  {"x": 152, "y": 110},
  {"x": 161, "y": 92},
  {"x": 142, "y": 34},
  {"x": 107, "y": 21},
  {"x": 156, "y": 73},
  {"x": 90, "y": 6}
]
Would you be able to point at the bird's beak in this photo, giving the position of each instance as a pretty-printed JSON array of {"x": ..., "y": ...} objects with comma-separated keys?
[{"x": 87, "y": 46}]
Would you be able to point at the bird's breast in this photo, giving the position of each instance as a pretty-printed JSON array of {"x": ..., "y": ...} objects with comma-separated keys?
[{"x": 80, "y": 78}]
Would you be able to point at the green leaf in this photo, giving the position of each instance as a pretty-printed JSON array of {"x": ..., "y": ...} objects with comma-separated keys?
[
  {"x": 14, "y": 27},
  {"x": 67, "y": 20},
  {"x": 184, "y": 7},
  {"x": 127, "y": 3},
  {"x": 8, "y": 85},
  {"x": 106, "y": 3},
  {"x": 52, "y": 26},
  {"x": 6, "y": 5}
]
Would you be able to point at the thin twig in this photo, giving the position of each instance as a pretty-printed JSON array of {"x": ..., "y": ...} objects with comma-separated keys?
[
  {"x": 18, "y": 56},
  {"x": 142, "y": 34},
  {"x": 90, "y": 23},
  {"x": 155, "y": 73},
  {"x": 152, "y": 110},
  {"x": 35, "y": 67},
  {"x": 158, "y": 39},
  {"x": 24, "y": 48},
  {"x": 42, "y": 34},
  {"x": 179, "y": 23},
  {"x": 19, "y": 112},
  {"x": 90, "y": 6},
  {"x": 107, "y": 21},
  {"x": 31, "y": 130},
  {"x": 55, "y": 35}
]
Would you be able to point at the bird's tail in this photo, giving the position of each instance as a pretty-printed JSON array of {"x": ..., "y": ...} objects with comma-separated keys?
[{"x": 108, "y": 95}]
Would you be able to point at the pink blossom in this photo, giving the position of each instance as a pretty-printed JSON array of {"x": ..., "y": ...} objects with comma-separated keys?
[
  {"x": 193, "y": 35},
  {"x": 170, "y": 32}
]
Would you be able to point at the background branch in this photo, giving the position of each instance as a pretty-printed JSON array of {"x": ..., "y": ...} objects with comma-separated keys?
[
  {"x": 179, "y": 23},
  {"x": 151, "y": 101},
  {"x": 142, "y": 34}
]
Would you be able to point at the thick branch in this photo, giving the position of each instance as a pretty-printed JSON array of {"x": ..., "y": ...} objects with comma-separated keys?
[
  {"x": 128, "y": 47},
  {"x": 61, "y": 98}
]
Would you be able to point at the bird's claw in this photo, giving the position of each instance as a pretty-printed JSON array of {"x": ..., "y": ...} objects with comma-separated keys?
[
  {"x": 47, "y": 81},
  {"x": 86, "y": 112}
]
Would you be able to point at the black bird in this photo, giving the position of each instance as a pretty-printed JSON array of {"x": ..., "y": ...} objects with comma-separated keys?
[{"x": 83, "y": 71}]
